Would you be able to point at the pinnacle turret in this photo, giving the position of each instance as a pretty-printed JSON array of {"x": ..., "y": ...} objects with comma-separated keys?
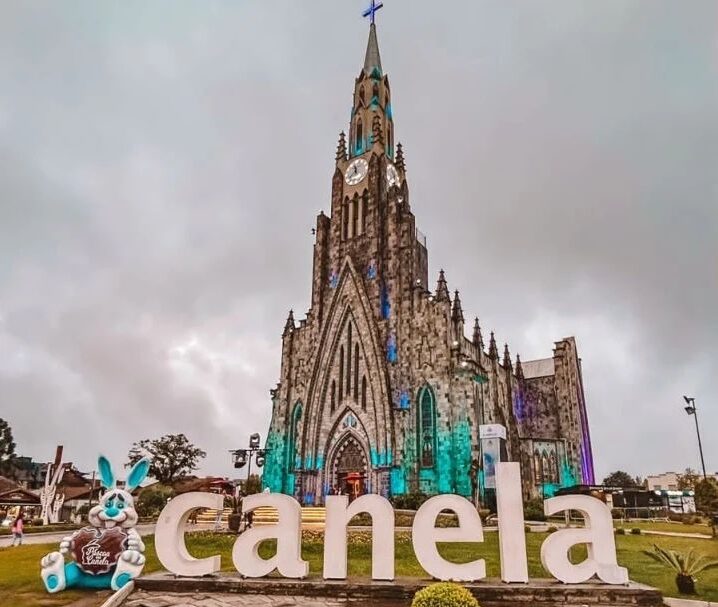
[
  {"x": 519, "y": 368},
  {"x": 477, "y": 339},
  {"x": 507, "y": 357},
  {"x": 442, "y": 290},
  {"x": 457, "y": 313},
  {"x": 342, "y": 147},
  {"x": 400, "y": 163},
  {"x": 493, "y": 350},
  {"x": 289, "y": 326}
]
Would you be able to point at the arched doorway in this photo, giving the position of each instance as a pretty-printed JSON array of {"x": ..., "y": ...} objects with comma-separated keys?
[{"x": 349, "y": 469}]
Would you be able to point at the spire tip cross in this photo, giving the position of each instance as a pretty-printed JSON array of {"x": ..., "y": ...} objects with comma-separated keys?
[{"x": 372, "y": 10}]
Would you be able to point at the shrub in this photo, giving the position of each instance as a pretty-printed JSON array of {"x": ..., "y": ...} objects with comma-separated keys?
[
  {"x": 152, "y": 500},
  {"x": 635, "y": 531},
  {"x": 527, "y": 528},
  {"x": 552, "y": 529},
  {"x": 410, "y": 501},
  {"x": 616, "y": 513},
  {"x": 484, "y": 513},
  {"x": 444, "y": 594},
  {"x": 620, "y": 531},
  {"x": 36, "y": 522},
  {"x": 533, "y": 510},
  {"x": 685, "y": 565}
]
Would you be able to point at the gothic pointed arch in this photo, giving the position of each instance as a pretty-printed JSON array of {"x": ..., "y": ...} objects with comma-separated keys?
[{"x": 350, "y": 304}]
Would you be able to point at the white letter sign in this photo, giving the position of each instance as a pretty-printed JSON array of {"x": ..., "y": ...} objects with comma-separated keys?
[
  {"x": 287, "y": 531},
  {"x": 169, "y": 535},
  {"x": 597, "y": 534},
  {"x": 512, "y": 539},
  {"x": 424, "y": 536},
  {"x": 339, "y": 513}
]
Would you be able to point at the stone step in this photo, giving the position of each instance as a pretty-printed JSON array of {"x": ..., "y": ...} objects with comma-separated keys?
[{"x": 310, "y": 515}]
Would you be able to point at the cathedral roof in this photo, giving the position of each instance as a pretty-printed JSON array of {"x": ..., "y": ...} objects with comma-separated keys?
[
  {"x": 373, "y": 59},
  {"x": 543, "y": 367}
]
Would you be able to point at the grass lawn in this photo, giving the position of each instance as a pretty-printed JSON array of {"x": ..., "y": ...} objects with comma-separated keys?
[
  {"x": 4, "y": 531},
  {"x": 664, "y": 526},
  {"x": 20, "y": 584}
]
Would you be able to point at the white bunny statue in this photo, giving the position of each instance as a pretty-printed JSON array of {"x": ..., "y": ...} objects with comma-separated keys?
[{"x": 108, "y": 553}]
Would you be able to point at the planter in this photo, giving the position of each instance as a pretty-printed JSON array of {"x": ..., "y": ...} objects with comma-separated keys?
[
  {"x": 686, "y": 584},
  {"x": 234, "y": 521}
]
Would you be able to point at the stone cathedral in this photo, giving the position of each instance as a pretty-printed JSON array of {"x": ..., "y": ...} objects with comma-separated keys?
[{"x": 380, "y": 389}]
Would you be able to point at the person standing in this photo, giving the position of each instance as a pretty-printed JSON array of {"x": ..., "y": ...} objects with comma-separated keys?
[{"x": 18, "y": 528}]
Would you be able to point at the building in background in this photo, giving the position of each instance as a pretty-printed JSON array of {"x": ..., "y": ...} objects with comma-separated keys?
[
  {"x": 380, "y": 389},
  {"x": 668, "y": 481}
]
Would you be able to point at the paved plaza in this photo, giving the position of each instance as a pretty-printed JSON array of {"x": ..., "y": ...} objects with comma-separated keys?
[{"x": 160, "y": 599}]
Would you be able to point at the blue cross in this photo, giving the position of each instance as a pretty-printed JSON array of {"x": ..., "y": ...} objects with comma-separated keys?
[{"x": 371, "y": 11}]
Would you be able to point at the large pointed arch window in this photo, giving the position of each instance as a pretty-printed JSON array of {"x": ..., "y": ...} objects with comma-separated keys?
[
  {"x": 292, "y": 450},
  {"x": 364, "y": 210},
  {"x": 426, "y": 427},
  {"x": 359, "y": 144},
  {"x": 538, "y": 474}
]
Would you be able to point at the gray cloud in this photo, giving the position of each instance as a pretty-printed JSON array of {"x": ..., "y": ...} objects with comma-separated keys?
[{"x": 161, "y": 166}]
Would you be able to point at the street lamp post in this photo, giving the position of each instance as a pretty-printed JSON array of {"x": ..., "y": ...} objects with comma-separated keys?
[
  {"x": 243, "y": 457},
  {"x": 690, "y": 409}
]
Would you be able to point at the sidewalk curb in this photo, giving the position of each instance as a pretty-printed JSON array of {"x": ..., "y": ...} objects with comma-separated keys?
[{"x": 119, "y": 597}]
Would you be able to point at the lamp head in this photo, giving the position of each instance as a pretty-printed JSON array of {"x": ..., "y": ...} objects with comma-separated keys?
[
  {"x": 690, "y": 410},
  {"x": 688, "y": 399},
  {"x": 254, "y": 441}
]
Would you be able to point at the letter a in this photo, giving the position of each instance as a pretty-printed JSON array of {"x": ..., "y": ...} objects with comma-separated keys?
[
  {"x": 288, "y": 533},
  {"x": 597, "y": 534}
]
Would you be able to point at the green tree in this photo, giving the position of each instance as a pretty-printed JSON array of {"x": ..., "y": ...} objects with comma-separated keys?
[
  {"x": 706, "y": 495},
  {"x": 171, "y": 457},
  {"x": 153, "y": 499},
  {"x": 7, "y": 447},
  {"x": 620, "y": 479},
  {"x": 687, "y": 481}
]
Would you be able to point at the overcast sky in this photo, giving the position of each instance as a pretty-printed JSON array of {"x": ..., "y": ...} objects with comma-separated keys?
[{"x": 162, "y": 164}]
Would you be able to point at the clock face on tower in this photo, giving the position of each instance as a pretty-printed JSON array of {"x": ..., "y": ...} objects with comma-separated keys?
[
  {"x": 392, "y": 175},
  {"x": 356, "y": 171}
]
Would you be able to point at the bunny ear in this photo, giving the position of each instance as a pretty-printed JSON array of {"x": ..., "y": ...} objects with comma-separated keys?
[
  {"x": 106, "y": 477},
  {"x": 138, "y": 474}
]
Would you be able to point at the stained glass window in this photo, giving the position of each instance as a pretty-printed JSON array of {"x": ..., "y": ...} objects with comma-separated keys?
[
  {"x": 292, "y": 443},
  {"x": 427, "y": 427}
]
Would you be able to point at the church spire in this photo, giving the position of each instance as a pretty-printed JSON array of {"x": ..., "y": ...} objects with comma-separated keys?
[
  {"x": 373, "y": 59},
  {"x": 519, "y": 368},
  {"x": 442, "y": 290}
]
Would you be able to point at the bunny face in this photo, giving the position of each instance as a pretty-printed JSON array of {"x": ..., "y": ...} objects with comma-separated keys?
[{"x": 117, "y": 506}]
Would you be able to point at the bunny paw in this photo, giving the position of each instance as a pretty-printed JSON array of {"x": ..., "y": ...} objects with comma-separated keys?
[
  {"x": 129, "y": 567},
  {"x": 53, "y": 572},
  {"x": 66, "y": 544}
]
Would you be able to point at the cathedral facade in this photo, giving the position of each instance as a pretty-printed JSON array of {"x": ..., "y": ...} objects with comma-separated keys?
[{"x": 380, "y": 389}]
